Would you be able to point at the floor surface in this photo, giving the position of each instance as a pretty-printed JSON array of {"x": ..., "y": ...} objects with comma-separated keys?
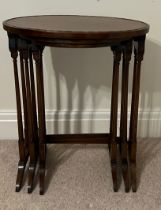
[{"x": 79, "y": 177}]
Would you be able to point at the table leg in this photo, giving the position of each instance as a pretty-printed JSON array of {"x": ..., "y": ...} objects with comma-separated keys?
[
  {"x": 138, "y": 52},
  {"x": 33, "y": 92},
  {"x": 23, "y": 150},
  {"x": 37, "y": 55},
  {"x": 113, "y": 123},
  {"x": 31, "y": 110},
  {"x": 127, "y": 50},
  {"x": 24, "y": 96},
  {"x": 34, "y": 144}
]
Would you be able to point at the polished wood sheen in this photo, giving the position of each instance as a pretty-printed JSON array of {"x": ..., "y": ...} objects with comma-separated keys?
[
  {"x": 29, "y": 36},
  {"x": 83, "y": 30},
  {"x": 113, "y": 123}
]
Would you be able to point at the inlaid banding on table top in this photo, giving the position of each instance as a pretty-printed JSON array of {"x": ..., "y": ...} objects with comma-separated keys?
[{"x": 75, "y": 27}]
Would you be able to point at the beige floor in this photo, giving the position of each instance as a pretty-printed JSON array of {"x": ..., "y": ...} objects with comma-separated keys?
[{"x": 79, "y": 177}]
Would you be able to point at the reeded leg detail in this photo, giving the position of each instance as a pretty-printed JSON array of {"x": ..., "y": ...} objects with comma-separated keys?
[
  {"x": 138, "y": 52},
  {"x": 127, "y": 50},
  {"x": 23, "y": 152},
  {"x": 113, "y": 124},
  {"x": 37, "y": 55}
]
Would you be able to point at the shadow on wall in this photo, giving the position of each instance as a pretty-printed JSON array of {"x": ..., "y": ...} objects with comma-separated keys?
[
  {"x": 150, "y": 93},
  {"x": 85, "y": 72}
]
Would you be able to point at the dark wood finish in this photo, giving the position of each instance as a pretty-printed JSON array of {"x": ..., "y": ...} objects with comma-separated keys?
[
  {"x": 75, "y": 43},
  {"x": 23, "y": 152},
  {"x": 127, "y": 50},
  {"x": 24, "y": 98},
  {"x": 33, "y": 92},
  {"x": 24, "y": 48},
  {"x": 114, "y": 109},
  {"x": 95, "y": 138},
  {"x": 29, "y": 36},
  {"x": 75, "y": 27},
  {"x": 61, "y": 29},
  {"x": 139, "y": 45},
  {"x": 34, "y": 144},
  {"x": 37, "y": 55}
]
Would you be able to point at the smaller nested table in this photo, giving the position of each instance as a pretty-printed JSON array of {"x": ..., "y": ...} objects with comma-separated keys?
[{"x": 27, "y": 38}]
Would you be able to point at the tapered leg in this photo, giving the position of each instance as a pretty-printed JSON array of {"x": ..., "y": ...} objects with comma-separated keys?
[
  {"x": 113, "y": 124},
  {"x": 24, "y": 54},
  {"x": 23, "y": 150},
  {"x": 33, "y": 92},
  {"x": 37, "y": 54},
  {"x": 138, "y": 52},
  {"x": 34, "y": 146},
  {"x": 127, "y": 50},
  {"x": 24, "y": 97}
]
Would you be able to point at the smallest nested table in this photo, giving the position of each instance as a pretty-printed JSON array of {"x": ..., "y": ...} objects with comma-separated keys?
[{"x": 27, "y": 38}]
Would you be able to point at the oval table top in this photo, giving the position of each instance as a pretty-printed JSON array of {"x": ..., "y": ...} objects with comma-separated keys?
[{"x": 75, "y": 27}]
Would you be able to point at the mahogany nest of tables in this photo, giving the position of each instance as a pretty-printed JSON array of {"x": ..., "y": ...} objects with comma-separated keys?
[{"x": 27, "y": 38}]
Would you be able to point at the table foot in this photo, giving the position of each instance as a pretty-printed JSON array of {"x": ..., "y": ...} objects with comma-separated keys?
[
  {"x": 31, "y": 174},
  {"x": 32, "y": 166},
  {"x": 133, "y": 168},
  {"x": 41, "y": 179},
  {"x": 20, "y": 174},
  {"x": 114, "y": 166},
  {"x": 125, "y": 166},
  {"x": 133, "y": 177},
  {"x": 42, "y": 163},
  {"x": 125, "y": 173}
]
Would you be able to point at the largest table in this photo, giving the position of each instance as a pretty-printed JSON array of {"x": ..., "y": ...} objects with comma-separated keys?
[{"x": 27, "y": 38}]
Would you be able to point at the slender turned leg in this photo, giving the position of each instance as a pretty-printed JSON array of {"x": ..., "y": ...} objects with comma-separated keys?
[
  {"x": 113, "y": 124},
  {"x": 138, "y": 52},
  {"x": 32, "y": 77},
  {"x": 35, "y": 127},
  {"x": 127, "y": 50},
  {"x": 24, "y": 96},
  {"x": 24, "y": 52},
  {"x": 37, "y": 54},
  {"x": 23, "y": 153},
  {"x": 34, "y": 145}
]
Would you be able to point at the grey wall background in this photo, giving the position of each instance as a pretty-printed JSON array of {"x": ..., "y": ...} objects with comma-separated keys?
[{"x": 78, "y": 81}]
